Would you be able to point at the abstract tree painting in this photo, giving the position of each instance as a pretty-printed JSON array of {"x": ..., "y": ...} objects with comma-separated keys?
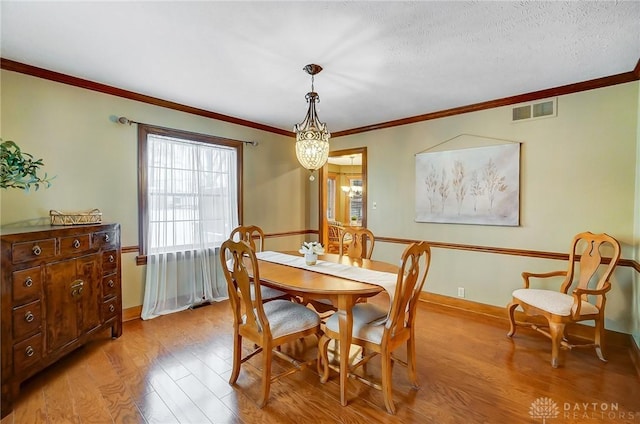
[{"x": 469, "y": 186}]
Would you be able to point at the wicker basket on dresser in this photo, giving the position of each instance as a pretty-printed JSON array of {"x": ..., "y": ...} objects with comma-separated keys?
[{"x": 60, "y": 286}]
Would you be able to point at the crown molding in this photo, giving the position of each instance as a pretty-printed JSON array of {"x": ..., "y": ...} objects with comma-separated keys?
[
  {"x": 625, "y": 77},
  {"x": 34, "y": 71},
  {"x": 622, "y": 78}
]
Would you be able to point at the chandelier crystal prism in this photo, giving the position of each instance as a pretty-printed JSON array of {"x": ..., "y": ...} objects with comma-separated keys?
[{"x": 312, "y": 136}]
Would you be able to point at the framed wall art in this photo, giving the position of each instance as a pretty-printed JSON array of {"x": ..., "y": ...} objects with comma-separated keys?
[{"x": 479, "y": 185}]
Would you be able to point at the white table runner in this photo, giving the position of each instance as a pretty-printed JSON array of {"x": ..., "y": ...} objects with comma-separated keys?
[{"x": 386, "y": 280}]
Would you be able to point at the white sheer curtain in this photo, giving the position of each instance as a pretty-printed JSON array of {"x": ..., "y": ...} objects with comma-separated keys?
[{"x": 192, "y": 207}]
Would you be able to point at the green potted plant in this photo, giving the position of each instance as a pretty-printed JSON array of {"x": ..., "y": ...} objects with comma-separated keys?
[{"x": 19, "y": 169}]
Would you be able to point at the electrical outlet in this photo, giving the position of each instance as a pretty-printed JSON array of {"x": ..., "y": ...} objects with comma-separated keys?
[
  {"x": 375, "y": 205},
  {"x": 460, "y": 291}
]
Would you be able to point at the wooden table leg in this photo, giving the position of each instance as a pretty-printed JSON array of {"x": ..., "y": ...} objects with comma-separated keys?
[{"x": 345, "y": 320}]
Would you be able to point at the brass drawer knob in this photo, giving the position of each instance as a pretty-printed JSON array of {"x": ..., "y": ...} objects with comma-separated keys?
[
  {"x": 28, "y": 282},
  {"x": 111, "y": 283},
  {"x": 107, "y": 239},
  {"x": 112, "y": 308},
  {"x": 29, "y": 351},
  {"x": 36, "y": 250},
  {"x": 112, "y": 258},
  {"x": 76, "y": 243},
  {"x": 29, "y": 316}
]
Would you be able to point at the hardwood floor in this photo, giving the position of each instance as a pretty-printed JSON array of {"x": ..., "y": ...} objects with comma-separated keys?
[{"x": 174, "y": 369}]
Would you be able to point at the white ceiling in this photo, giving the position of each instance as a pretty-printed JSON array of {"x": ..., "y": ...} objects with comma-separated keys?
[{"x": 382, "y": 60}]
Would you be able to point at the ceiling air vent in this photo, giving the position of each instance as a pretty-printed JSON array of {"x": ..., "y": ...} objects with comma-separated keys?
[{"x": 542, "y": 109}]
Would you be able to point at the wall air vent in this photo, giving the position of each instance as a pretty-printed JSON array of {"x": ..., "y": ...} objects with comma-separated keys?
[{"x": 540, "y": 109}]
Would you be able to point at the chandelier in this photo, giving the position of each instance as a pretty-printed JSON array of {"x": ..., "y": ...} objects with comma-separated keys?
[
  {"x": 352, "y": 190},
  {"x": 312, "y": 136}
]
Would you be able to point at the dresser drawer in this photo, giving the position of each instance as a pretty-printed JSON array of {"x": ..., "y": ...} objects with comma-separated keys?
[
  {"x": 74, "y": 245},
  {"x": 26, "y": 285},
  {"x": 26, "y": 319},
  {"x": 105, "y": 239},
  {"x": 27, "y": 353},
  {"x": 109, "y": 261},
  {"x": 110, "y": 308},
  {"x": 110, "y": 285},
  {"x": 36, "y": 249}
]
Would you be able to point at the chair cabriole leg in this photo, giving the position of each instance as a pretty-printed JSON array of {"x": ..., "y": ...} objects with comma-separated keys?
[
  {"x": 556, "y": 330},
  {"x": 411, "y": 362},
  {"x": 511, "y": 308},
  {"x": 323, "y": 358},
  {"x": 387, "y": 392},
  {"x": 598, "y": 338},
  {"x": 266, "y": 374},
  {"x": 237, "y": 358}
]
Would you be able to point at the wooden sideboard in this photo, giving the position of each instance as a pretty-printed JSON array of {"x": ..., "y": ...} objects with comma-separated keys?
[{"x": 60, "y": 286}]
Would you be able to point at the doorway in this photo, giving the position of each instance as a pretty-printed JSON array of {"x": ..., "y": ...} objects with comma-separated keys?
[{"x": 343, "y": 191}]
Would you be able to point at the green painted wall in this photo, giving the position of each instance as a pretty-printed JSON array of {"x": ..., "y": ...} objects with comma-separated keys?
[
  {"x": 578, "y": 173},
  {"x": 95, "y": 163}
]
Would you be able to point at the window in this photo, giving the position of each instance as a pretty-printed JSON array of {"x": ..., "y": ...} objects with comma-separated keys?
[
  {"x": 189, "y": 189},
  {"x": 331, "y": 198},
  {"x": 355, "y": 200}
]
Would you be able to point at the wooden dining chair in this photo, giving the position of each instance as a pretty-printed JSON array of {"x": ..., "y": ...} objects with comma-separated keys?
[
  {"x": 586, "y": 301},
  {"x": 334, "y": 231},
  {"x": 268, "y": 325},
  {"x": 356, "y": 242},
  {"x": 383, "y": 337},
  {"x": 254, "y": 236}
]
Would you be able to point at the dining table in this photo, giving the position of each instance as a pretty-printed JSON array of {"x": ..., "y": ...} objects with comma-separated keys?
[{"x": 344, "y": 286}]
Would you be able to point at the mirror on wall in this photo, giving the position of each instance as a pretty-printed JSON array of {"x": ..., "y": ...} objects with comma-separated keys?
[{"x": 343, "y": 193}]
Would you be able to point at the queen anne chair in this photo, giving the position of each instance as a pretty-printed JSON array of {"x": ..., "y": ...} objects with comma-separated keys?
[
  {"x": 562, "y": 307},
  {"x": 254, "y": 236},
  {"x": 268, "y": 325},
  {"x": 357, "y": 242},
  {"x": 383, "y": 336}
]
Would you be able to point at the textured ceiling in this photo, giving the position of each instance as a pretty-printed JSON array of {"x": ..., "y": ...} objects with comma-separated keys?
[{"x": 382, "y": 60}]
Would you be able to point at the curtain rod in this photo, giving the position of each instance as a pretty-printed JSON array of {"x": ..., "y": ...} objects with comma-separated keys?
[{"x": 124, "y": 121}]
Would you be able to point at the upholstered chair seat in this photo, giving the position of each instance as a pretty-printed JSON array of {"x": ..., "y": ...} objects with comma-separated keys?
[
  {"x": 554, "y": 302},
  {"x": 268, "y": 293},
  {"x": 368, "y": 322},
  {"x": 286, "y": 317}
]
